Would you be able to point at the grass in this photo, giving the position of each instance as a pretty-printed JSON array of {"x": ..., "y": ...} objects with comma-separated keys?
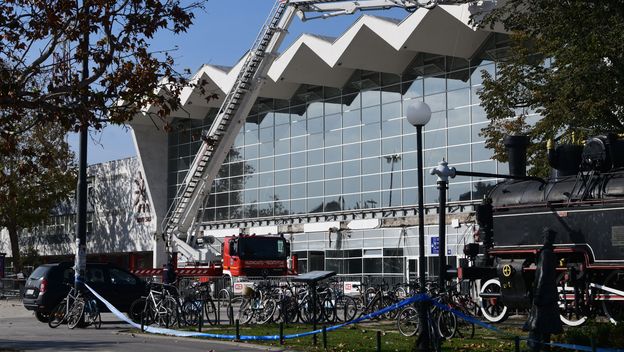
[{"x": 362, "y": 337}]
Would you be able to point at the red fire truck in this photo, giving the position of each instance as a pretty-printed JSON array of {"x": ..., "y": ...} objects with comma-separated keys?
[{"x": 251, "y": 255}]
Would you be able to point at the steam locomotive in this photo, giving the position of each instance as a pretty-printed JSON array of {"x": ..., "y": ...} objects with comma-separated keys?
[{"x": 583, "y": 202}]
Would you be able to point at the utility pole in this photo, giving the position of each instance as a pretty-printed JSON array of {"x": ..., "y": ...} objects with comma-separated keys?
[{"x": 81, "y": 219}]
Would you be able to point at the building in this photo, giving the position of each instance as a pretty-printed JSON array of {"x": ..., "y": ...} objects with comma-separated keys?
[
  {"x": 120, "y": 221},
  {"x": 327, "y": 156}
]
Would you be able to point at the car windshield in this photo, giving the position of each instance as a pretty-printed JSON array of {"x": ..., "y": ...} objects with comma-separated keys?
[
  {"x": 39, "y": 272},
  {"x": 262, "y": 248}
]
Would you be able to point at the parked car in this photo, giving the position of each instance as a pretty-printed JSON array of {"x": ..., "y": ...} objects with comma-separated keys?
[{"x": 48, "y": 285}]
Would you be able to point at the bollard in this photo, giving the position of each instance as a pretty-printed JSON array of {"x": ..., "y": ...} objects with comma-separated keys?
[
  {"x": 378, "y": 341},
  {"x": 143, "y": 321},
  {"x": 324, "y": 337},
  {"x": 231, "y": 309},
  {"x": 593, "y": 344},
  {"x": 517, "y": 343},
  {"x": 281, "y": 333},
  {"x": 201, "y": 319},
  {"x": 237, "y": 330}
]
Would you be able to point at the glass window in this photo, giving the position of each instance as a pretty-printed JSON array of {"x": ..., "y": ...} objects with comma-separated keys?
[
  {"x": 393, "y": 265},
  {"x": 459, "y": 135},
  {"x": 371, "y": 97},
  {"x": 371, "y": 115},
  {"x": 315, "y": 125},
  {"x": 351, "y": 201},
  {"x": 315, "y": 157},
  {"x": 370, "y": 183},
  {"x": 315, "y": 205},
  {"x": 459, "y": 191},
  {"x": 435, "y": 85},
  {"x": 265, "y": 179},
  {"x": 371, "y": 148},
  {"x": 315, "y": 189},
  {"x": 282, "y": 177},
  {"x": 458, "y": 98},
  {"x": 351, "y": 168},
  {"x": 351, "y": 185},
  {"x": 351, "y": 134},
  {"x": 371, "y": 131},
  {"x": 351, "y": 118},
  {"x": 298, "y": 191},
  {"x": 333, "y": 170},
  {"x": 373, "y": 265},
  {"x": 414, "y": 89},
  {"x": 315, "y": 141},
  {"x": 435, "y": 139},
  {"x": 391, "y": 128},
  {"x": 282, "y": 193},
  {"x": 479, "y": 152},
  {"x": 351, "y": 151},
  {"x": 333, "y": 122},
  {"x": 391, "y": 146},
  {"x": 333, "y": 187},
  {"x": 297, "y": 159},
  {"x": 298, "y": 175},
  {"x": 390, "y": 111},
  {"x": 370, "y": 166},
  {"x": 333, "y": 138},
  {"x": 315, "y": 173},
  {"x": 458, "y": 116},
  {"x": 438, "y": 121},
  {"x": 297, "y": 128},
  {"x": 315, "y": 109},
  {"x": 437, "y": 102},
  {"x": 95, "y": 275},
  {"x": 459, "y": 154}
]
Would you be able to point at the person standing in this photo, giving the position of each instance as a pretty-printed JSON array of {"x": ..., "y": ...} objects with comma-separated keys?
[{"x": 544, "y": 315}]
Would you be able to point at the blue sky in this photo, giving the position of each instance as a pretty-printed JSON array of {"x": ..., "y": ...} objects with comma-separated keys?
[{"x": 221, "y": 34}]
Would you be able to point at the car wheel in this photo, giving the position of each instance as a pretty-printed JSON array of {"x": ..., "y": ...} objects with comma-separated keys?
[{"x": 42, "y": 317}]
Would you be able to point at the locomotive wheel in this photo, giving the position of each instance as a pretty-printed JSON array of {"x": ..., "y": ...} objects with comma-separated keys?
[
  {"x": 569, "y": 313},
  {"x": 614, "y": 308},
  {"x": 492, "y": 308}
]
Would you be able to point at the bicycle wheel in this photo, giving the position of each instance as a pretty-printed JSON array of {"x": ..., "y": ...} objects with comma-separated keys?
[
  {"x": 465, "y": 329},
  {"x": 75, "y": 314},
  {"x": 245, "y": 313},
  {"x": 210, "y": 311},
  {"x": 447, "y": 324},
  {"x": 329, "y": 310},
  {"x": 57, "y": 315},
  {"x": 346, "y": 309},
  {"x": 265, "y": 314},
  {"x": 407, "y": 321},
  {"x": 191, "y": 311},
  {"x": 168, "y": 312},
  {"x": 136, "y": 310}
]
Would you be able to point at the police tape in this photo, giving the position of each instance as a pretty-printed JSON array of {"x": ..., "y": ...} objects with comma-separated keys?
[
  {"x": 405, "y": 302},
  {"x": 475, "y": 321},
  {"x": 178, "y": 333}
]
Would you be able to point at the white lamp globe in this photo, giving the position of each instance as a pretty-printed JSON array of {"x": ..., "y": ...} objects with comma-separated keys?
[{"x": 418, "y": 113}]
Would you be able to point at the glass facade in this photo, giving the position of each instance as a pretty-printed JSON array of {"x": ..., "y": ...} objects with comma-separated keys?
[{"x": 329, "y": 150}]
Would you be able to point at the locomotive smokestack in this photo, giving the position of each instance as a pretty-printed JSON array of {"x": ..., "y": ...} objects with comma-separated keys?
[{"x": 517, "y": 154}]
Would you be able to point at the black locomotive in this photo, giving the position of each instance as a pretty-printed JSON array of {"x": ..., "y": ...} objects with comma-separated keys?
[{"x": 583, "y": 202}]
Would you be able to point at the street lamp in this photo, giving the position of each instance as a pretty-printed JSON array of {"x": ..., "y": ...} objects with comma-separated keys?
[{"x": 418, "y": 114}]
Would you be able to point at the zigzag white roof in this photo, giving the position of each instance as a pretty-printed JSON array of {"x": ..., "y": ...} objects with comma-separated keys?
[{"x": 371, "y": 43}]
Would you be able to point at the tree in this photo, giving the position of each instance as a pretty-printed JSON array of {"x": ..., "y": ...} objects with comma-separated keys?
[
  {"x": 43, "y": 46},
  {"x": 37, "y": 171},
  {"x": 566, "y": 64}
]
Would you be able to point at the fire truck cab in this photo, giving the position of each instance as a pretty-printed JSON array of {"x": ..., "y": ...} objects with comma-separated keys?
[{"x": 251, "y": 255}]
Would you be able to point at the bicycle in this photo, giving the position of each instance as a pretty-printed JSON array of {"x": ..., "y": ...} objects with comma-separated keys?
[{"x": 76, "y": 309}]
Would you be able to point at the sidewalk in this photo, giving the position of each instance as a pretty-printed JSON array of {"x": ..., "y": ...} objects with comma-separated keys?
[{"x": 13, "y": 308}]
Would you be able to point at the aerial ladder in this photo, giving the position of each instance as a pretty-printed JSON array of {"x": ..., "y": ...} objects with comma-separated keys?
[{"x": 181, "y": 217}]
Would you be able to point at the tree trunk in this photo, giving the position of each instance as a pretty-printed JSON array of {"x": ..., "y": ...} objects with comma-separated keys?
[{"x": 15, "y": 252}]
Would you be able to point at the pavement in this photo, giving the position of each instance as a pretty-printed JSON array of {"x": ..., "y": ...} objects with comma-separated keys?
[{"x": 20, "y": 331}]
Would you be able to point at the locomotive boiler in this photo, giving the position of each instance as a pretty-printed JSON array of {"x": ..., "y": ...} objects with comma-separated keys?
[{"x": 583, "y": 201}]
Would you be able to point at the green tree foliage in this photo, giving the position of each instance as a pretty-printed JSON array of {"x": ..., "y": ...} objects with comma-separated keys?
[
  {"x": 43, "y": 46},
  {"x": 37, "y": 171},
  {"x": 566, "y": 64}
]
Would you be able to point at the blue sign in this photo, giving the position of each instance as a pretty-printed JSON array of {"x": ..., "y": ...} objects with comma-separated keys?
[{"x": 435, "y": 245}]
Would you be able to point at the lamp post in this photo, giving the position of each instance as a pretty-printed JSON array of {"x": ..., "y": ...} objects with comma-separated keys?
[{"x": 418, "y": 114}]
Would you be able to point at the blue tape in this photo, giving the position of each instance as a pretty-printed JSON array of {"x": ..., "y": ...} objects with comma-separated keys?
[
  {"x": 413, "y": 299},
  {"x": 467, "y": 318},
  {"x": 163, "y": 331}
]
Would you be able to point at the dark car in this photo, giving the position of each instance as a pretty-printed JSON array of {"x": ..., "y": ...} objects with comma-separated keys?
[{"x": 48, "y": 285}]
